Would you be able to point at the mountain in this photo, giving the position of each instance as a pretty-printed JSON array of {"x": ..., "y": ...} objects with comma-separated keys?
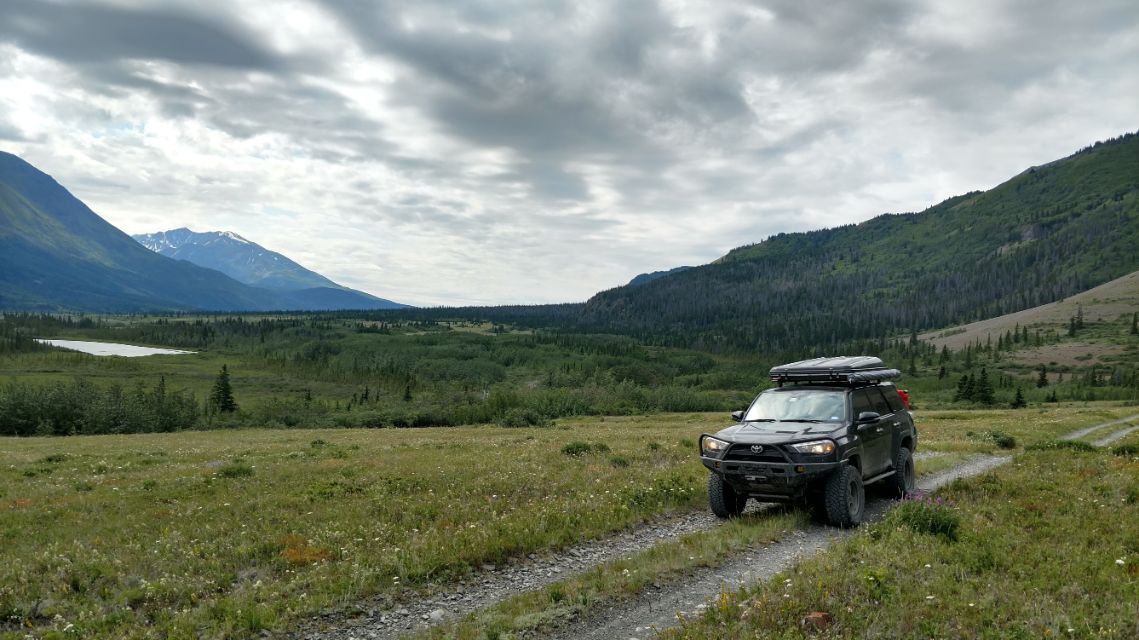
[
  {"x": 646, "y": 278},
  {"x": 252, "y": 264},
  {"x": 58, "y": 255},
  {"x": 1050, "y": 232}
]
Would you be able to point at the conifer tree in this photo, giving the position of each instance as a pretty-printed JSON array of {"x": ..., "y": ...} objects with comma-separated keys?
[
  {"x": 221, "y": 396},
  {"x": 1135, "y": 324},
  {"x": 1018, "y": 402},
  {"x": 1042, "y": 380},
  {"x": 983, "y": 389}
]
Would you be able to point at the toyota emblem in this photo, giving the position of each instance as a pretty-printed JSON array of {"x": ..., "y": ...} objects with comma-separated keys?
[{"x": 755, "y": 448}]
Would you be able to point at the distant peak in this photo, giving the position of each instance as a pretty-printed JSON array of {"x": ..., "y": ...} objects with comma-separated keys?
[{"x": 232, "y": 236}]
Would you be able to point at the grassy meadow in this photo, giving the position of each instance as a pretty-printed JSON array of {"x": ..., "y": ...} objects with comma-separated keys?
[
  {"x": 1046, "y": 547},
  {"x": 226, "y": 533}
]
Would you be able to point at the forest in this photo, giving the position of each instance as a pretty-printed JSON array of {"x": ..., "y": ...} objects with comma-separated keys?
[{"x": 342, "y": 370}]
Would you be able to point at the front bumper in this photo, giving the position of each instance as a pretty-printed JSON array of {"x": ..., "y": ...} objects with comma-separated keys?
[{"x": 770, "y": 481}]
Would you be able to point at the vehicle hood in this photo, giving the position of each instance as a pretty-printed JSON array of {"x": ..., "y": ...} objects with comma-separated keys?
[{"x": 778, "y": 433}]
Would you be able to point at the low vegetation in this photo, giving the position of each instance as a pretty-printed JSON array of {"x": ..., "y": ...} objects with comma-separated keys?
[
  {"x": 1043, "y": 548},
  {"x": 232, "y": 532}
]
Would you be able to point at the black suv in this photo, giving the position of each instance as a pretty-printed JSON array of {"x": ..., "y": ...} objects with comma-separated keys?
[{"x": 831, "y": 426}]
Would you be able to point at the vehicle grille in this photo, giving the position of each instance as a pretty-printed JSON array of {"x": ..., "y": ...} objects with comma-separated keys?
[{"x": 743, "y": 453}]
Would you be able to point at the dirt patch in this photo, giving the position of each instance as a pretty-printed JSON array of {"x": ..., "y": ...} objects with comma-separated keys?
[
  {"x": 1074, "y": 354},
  {"x": 1106, "y": 302}
]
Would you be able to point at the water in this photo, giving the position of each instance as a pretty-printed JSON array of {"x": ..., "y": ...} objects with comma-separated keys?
[{"x": 111, "y": 348}]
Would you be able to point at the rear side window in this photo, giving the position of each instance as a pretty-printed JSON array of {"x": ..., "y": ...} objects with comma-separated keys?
[
  {"x": 893, "y": 399},
  {"x": 879, "y": 402}
]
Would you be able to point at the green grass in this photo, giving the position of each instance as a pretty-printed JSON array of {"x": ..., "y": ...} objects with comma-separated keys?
[
  {"x": 1046, "y": 547},
  {"x": 229, "y": 532},
  {"x": 226, "y": 533}
]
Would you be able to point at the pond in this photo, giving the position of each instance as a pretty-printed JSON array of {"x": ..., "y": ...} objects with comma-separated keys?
[{"x": 111, "y": 348}]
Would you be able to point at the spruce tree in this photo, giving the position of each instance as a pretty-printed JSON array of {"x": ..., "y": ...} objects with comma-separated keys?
[
  {"x": 1135, "y": 324},
  {"x": 1018, "y": 402},
  {"x": 221, "y": 396},
  {"x": 1042, "y": 380},
  {"x": 983, "y": 389}
]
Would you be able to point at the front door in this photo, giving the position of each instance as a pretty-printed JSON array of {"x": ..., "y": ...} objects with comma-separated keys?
[{"x": 875, "y": 436}]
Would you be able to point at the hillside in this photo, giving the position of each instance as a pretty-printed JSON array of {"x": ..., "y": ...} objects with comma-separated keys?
[
  {"x": 254, "y": 265},
  {"x": 1048, "y": 233},
  {"x": 1113, "y": 303},
  {"x": 56, "y": 254}
]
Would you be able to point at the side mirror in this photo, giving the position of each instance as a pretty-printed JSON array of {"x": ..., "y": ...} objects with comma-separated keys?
[
  {"x": 866, "y": 417},
  {"x": 738, "y": 416}
]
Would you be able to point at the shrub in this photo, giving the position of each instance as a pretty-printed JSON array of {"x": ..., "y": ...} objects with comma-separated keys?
[
  {"x": 1129, "y": 449},
  {"x": 235, "y": 470},
  {"x": 619, "y": 461},
  {"x": 577, "y": 448},
  {"x": 927, "y": 515},
  {"x": 519, "y": 417},
  {"x": 1051, "y": 445},
  {"x": 1003, "y": 440}
]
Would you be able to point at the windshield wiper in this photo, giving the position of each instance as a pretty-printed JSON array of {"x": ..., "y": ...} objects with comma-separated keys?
[
  {"x": 811, "y": 420},
  {"x": 759, "y": 420}
]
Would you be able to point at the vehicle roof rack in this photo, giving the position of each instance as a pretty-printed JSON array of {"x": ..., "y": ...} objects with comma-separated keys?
[{"x": 841, "y": 369}]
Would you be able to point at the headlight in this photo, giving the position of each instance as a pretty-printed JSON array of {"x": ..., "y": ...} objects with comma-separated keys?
[
  {"x": 713, "y": 447},
  {"x": 815, "y": 447}
]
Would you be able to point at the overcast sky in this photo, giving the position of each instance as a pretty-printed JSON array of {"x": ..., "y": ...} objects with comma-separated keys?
[{"x": 485, "y": 152}]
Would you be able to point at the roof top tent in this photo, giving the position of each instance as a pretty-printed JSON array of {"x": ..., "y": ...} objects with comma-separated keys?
[{"x": 841, "y": 369}]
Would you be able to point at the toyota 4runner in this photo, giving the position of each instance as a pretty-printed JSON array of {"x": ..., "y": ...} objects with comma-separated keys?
[{"x": 829, "y": 427}]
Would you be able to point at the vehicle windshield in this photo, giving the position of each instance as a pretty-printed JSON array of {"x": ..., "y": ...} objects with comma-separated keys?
[{"x": 798, "y": 405}]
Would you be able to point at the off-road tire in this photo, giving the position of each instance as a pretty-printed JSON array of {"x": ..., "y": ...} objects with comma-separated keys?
[
  {"x": 902, "y": 483},
  {"x": 844, "y": 497},
  {"x": 722, "y": 498}
]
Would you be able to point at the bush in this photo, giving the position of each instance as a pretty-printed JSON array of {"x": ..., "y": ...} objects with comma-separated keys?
[
  {"x": 235, "y": 470},
  {"x": 577, "y": 448},
  {"x": 1052, "y": 445},
  {"x": 927, "y": 515},
  {"x": 519, "y": 417},
  {"x": 1128, "y": 449},
  {"x": 1003, "y": 440},
  {"x": 619, "y": 461}
]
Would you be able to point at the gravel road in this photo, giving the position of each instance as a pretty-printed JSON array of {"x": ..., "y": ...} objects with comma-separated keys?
[
  {"x": 1115, "y": 437},
  {"x": 1076, "y": 435}
]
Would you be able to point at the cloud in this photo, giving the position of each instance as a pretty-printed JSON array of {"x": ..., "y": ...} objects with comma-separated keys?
[
  {"x": 98, "y": 33},
  {"x": 491, "y": 152}
]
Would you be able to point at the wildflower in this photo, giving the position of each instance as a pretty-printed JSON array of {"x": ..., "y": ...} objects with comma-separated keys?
[{"x": 1120, "y": 561}]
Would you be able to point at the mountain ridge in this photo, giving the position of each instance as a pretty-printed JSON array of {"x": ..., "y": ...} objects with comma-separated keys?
[
  {"x": 1054, "y": 230},
  {"x": 56, "y": 254}
]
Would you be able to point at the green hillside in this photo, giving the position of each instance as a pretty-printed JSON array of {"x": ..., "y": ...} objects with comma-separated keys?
[{"x": 1050, "y": 232}]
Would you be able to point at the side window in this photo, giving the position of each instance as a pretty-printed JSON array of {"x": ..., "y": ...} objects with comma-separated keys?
[
  {"x": 892, "y": 397},
  {"x": 861, "y": 402},
  {"x": 879, "y": 402}
]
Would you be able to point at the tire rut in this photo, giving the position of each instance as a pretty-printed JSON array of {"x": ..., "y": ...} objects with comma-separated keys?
[
  {"x": 1076, "y": 435},
  {"x": 1115, "y": 437}
]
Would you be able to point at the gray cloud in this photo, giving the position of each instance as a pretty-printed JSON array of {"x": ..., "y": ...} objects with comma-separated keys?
[
  {"x": 92, "y": 33},
  {"x": 488, "y": 151}
]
